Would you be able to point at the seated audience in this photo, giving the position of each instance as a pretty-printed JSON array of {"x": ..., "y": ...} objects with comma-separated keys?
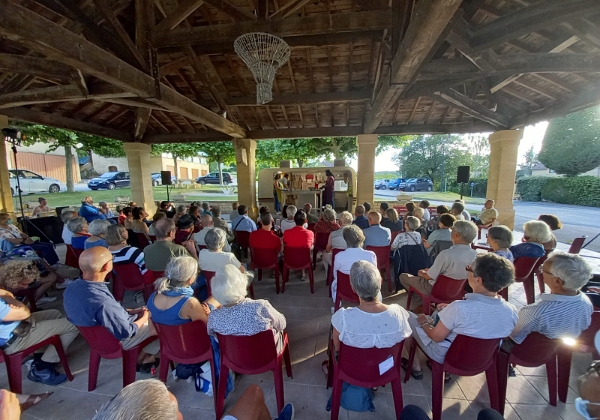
[
  {"x": 242, "y": 222},
  {"x": 167, "y": 208},
  {"x": 213, "y": 258},
  {"x": 410, "y": 208},
  {"x": 16, "y": 238},
  {"x": 41, "y": 208},
  {"x": 483, "y": 314},
  {"x": 336, "y": 239},
  {"x": 465, "y": 214},
  {"x": 104, "y": 209},
  {"x": 207, "y": 223},
  {"x": 500, "y": 238},
  {"x": 488, "y": 214},
  {"x": 19, "y": 329},
  {"x": 157, "y": 216},
  {"x": 138, "y": 224},
  {"x": 88, "y": 211},
  {"x": 234, "y": 210},
  {"x": 126, "y": 219},
  {"x": 355, "y": 239},
  {"x": 98, "y": 231},
  {"x": 89, "y": 303},
  {"x": 179, "y": 211},
  {"x": 79, "y": 227},
  {"x": 367, "y": 207},
  {"x": 360, "y": 220},
  {"x": 383, "y": 208},
  {"x": 441, "y": 209},
  {"x": 185, "y": 229},
  {"x": 290, "y": 212},
  {"x": 372, "y": 323},
  {"x": 326, "y": 223},
  {"x": 424, "y": 204},
  {"x": 116, "y": 239},
  {"x": 219, "y": 222},
  {"x": 238, "y": 314},
  {"x": 457, "y": 210},
  {"x": 553, "y": 223},
  {"x": 565, "y": 311},
  {"x": 535, "y": 235},
  {"x": 265, "y": 238},
  {"x": 310, "y": 217},
  {"x": 391, "y": 221},
  {"x": 67, "y": 235},
  {"x": 450, "y": 262},
  {"x": 206, "y": 209},
  {"x": 261, "y": 210},
  {"x": 375, "y": 234},
  {"x": 158, "y": 254},
  {"x": 409, "y": 236},
  {"x": 17, "y": 275},
  {"x": 194, "y": 212},
  {"x": 442, "y": 233},
  {"x": 299, "y": 236},
  {"x": 418, "y": 213}
]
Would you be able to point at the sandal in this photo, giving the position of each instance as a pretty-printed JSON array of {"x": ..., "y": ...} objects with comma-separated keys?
[
  {"x": 34, "y": 399},
  {"x": 147, "y": 367},
  {"x": 417, "y": 374}
]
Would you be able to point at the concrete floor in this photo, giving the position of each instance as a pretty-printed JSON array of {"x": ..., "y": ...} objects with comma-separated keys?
[{"x": 308, "y": 322}]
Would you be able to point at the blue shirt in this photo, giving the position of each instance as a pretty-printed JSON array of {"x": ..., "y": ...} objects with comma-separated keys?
[
  {"x": 506, "y": 254},
  {"x": 377, "y": 235},
  {"x": 100, "y": 242},
  {"x": 527, "y": 249},
  {"x": 170, "y": 316},
  {"x": 6, "y": 328},
  {"x": 243, "y": 223},
  {"x": 362, "y": 222},
  {"x": 78, "y": 242},
  {"x": 90, "y": 303},
  {"x": 90, "y": 213},
  {"x": 206, "y": 212}
]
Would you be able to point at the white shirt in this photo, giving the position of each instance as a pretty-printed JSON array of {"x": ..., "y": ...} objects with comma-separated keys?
[
  {"x": 466, "y": 215},
  {"x": 67, "y": 235},
  {"x": 336, "y": 239},
  {"x": 452, "y": 262},
  {"x": 345, "y": 259},
  {"x": 426, "y": 215},
  {"x": 287, "y": 224},
  {"x": 199, "y": 239},
  {"x": 213, "y": 261},
  {"x": 365, "y": 330}
]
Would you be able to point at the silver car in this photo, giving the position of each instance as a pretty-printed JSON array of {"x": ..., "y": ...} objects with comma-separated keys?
[{"x": 32, "y": 183}]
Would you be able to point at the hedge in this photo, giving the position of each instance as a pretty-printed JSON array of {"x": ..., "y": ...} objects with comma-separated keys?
[
  {"x": 479, "y": 190},
  {"x": 579, "y": 190}
]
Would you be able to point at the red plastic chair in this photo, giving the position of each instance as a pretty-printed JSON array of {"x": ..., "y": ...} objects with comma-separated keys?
[
  {"x": 242, "y": 238},
  {"x": 128, "y": 277},
  {"x": 329, "y": 278},
  {"x": 187, "y": 343},
  {"x": 266, "y": 259},
  {"x": 537, "y": 271},
  {"x": 445, "y": 290},
  {"x": 29, "y": 293},
  {"x": 143, "y": 240},
  {"x": 208, "y": 275},
  {"x": 297, "y": 259},
  {"x": 14, "y": 368},
  {"x": 577, "y": 245},
  {"x": 394, "y": 234},
  {"x": 536, "y": 350},
  {"x": 383, "y": 261},
  {"x": 524, "y": 267},
  {"x": 72, "y": 257},
  {"x": 467, "y": 356},
  {"x": 152, "y": 238},
  {"x": 103, "y": 345},
  {"x": 321, "y": 239},
  {"x": 251, "y": 355},
  {"x": 311, "y": 227},
  {"x": 360, "y": 367},
  {"x": 344, "y": 291}
]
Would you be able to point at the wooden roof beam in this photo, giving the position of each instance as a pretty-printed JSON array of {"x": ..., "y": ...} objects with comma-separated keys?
[
  {"x": 467, "y": 105},
  {"x": 142, "y": 117},
  {"x": 42, "y": 67},
  {"x": 230, "y": 10},
  {"x": 56, "y": 94},
  {"x": 186, "y": 8}
]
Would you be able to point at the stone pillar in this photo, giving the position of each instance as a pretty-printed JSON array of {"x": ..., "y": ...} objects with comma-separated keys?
[
  {"x": 245, "y": 157},
  {"x": 504, "y": 147},
  {"x": 138, "y": 159},
  {"x": 365, "y": 190},
  {"x": 6, "y": 199}
]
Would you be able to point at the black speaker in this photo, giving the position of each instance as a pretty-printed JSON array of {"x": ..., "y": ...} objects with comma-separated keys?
[
  {"x": 166, "y": 177},
  {"x": 463, "y": 174}
]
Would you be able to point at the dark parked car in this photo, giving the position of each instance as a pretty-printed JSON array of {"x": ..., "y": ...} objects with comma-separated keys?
[
  {"x": 417, "y": 184},
  {"x": 381, "y": 184},
  {"x": 110, "y": 180},
  {"x": 394, "y": 184},
  {"x": 157, "y": 179},
  {"x": 213, "y": 178}
]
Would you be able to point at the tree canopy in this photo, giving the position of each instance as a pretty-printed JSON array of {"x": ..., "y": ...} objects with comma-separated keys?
[{"x": 571, "y": 145}]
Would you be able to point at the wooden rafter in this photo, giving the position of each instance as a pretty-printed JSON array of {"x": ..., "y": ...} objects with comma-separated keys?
[
  {"x": 186, "y": 8},
  {"x": 467, "y": 105}
]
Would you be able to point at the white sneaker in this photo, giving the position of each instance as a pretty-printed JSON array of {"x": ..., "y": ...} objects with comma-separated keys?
[
  {"x": 45, "y": 299},
  {"x": 64, "y": 285}
]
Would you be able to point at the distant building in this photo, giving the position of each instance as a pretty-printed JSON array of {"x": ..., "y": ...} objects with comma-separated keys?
[
  {"x": 37, "y": 158},
  {"x": 189, "y": 168},
  {"x": 540, "y": 170}
]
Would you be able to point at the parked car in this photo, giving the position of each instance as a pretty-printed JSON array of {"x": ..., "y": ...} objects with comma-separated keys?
[
  {"x": 213, "y": 178},
  {"x": 157, "y": 179},
  {"x": 394, "y": 184},
  {"x": 32, "y": 183},
  {"x": 110, "y": 180},
  {"x": 381, "y": 184},
  {"x": 417, "y": 184}
]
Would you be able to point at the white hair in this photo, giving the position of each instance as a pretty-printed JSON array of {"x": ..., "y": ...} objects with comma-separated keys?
[
  {"x": 98, "y": 227},
  {"x": 413, "y": 222},
  {"x": 573, "y": 270},
  {"x": 215, "y": 239},
  {"x": 537, "y": 231},
  {"x": 346, "y": 218},
  {"x": 291, "y": 211},
  {"x": 329, "y": 215},
  {"x": 467, "y": 230},
  {"x": 229, "y": 285},
  {"x": 177, "y": 273},
  {"x": 365, "y": 280},
  {"x": 76, "y": 224}
]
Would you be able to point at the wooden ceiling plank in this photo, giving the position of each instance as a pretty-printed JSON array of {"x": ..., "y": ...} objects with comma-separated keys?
[
  {"x": 142, "y": 117},
  {"x": 231, "y": 10},
  {"x": 414, "y": 110},
  {"x": 35, "y": 66},
  {"x": 174, "y": 65},
  {"x": 115, "y": 117},
  {"x": 186, "y": 8}
]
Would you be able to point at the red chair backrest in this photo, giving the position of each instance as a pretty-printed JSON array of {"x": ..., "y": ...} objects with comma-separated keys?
[
  {"x": 471, "y": 354},
  {"x": 311, "y": 226},
  {"x": 321, "y": 239},
  {"x": 248, "y": 354},
  {"x": 208, "y": 275},
  {"x": 448, "y": 289},
  {"x": 587, "y": 336},
  {"x": 242, "y": 238},
  {"x": 576, "y": 245},
  {"x": 77, "y": 252},
  {"x": 142, "y": 240},
  {"x": 361, "y": 366},
  {"x": 264, "y": 257},
  {"x": 334, "y": 252},
  {"x": 536, "y": 348},
  {"x": 129, "y": 275},
  {"x": 101, "y": 340},
  {"x": 382, "y": 253},
  {"x": 157, "y": 274},
  {"x": 394, "y": 234},
  {"x": 152, "y": 238},
  {"x": 344, "y": 288},
  {"x": 524, "y": 266},
  {"x": 185, "y": 341},
  {"x": 296, "y": 257},
  {"x": 71, "y": 258}
]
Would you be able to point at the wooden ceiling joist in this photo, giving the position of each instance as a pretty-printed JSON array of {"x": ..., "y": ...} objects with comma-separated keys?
[
  {"x": 467, "y": 105},
  {"x": 186, "y": 8},
  {"x": 35, "y": 66}
]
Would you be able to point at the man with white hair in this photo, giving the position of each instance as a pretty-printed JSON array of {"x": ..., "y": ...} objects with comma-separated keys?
[
  {"x": 488, "y": 214},
  {"x": 310, "y": 217},
  {"x": 208, "y": 224},
  {"x": 451, "y": 262},
  {"x": 289, "y": 223}
]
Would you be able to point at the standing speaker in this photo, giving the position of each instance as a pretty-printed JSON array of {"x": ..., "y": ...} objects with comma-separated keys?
[
  {"x": 166, "y": 177},
  {"x": 463, "y": 174}
]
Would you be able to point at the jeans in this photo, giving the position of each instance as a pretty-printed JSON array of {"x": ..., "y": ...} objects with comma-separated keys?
[
  {"x": 47, "y": 251},
  {"x": 276, "y": 197}
]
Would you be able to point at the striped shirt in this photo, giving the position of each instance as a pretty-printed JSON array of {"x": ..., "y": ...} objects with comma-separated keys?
[
  {"x": 130, "y": 254},
  {"x": 555, "y": 316}
]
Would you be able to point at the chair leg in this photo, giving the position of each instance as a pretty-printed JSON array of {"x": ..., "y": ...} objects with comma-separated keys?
[
  {"x": 288, "y": 361},
  {"x": 552, "y": 374},
  {"x": 148, "y": 290},
  {"x": 15, "y": 372},
  {"x": 492, "y": 381},
  {"x": 93, "y": 372},
  {"x": 129, "y": 365},
  {"x": 277, "y": 278},
  {"x": 311, "y": 276},
  {"x": 389, "y": 277},
  {"x": 564, "y": 370},
  {"x": 251, "y": 289},
  {"x": 411, "y": 358},
  {"x": 541, "y": 284},
  {"x": 529, "y": 289},
  {"x": 259, "y": 274},
  {"x": 397, "y": 393},
  {"x": 163, "y": 369},
  {"x": 437, "y": 389},
  {"x": 409, "y": 298},
  {"x": 220, "y": 403},
  {"x": 502, "y": 374},
  {"x": 286, "y": 273},
  {"x": 63, "y": 358},
  {"x": 278, "y": 377},
  {"x": 336, "y": 399},
  {"x": 426, "y": 305},
  {"x": 504, "y": 293},
  {"x": 314, "y": 259}
]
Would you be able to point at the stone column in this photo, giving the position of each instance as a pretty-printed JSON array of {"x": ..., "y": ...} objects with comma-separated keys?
[
  {"x": 504, "y": 147},
  {"x": 365, "y": 190},
  {"x": 6, "y": 200},
  {"x": 138, "y": 159},
  {"x": 245, "y": 157}
]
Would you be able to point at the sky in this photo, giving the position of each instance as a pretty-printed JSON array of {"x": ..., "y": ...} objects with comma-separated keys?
[{"x": 533, "y": 136}]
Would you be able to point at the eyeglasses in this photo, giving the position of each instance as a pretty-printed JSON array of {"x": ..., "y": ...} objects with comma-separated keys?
[
  {"x": 581, "y": 407},
  {"x": 548, "y": 272},
  {"x": 112, "y": 258},
  {"x": 469, "y": 268}
]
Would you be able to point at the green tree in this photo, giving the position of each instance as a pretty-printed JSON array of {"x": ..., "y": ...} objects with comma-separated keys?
[
  {"x": 530, "y": 161},
  {"x": 220, "y": 152},
  {"x": 178, "y": 151},
  {"x": 571, "y": 145},
  {"x": 480, "y": 152}
]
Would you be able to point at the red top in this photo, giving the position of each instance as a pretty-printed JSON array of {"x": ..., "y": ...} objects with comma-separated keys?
[
  {"x": 325, "y": 227},
  {"x": 265, "y": 239},
  {"x": 298, "y": 237},
  {"x": 122, "y": 218}
]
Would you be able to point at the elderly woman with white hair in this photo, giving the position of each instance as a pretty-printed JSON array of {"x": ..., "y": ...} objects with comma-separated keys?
[
  {"x": 213, "y": 258},
  {"x": 535, "y": 234},
  {"x": 79, "y": 227},
  {"x": 98, "y": 230},
  {"x": 240, "y": 315},
  {"x": 409, "y": 236},
  {"x": 372, "y": 323},
  {"x": 336, "y": 239}
]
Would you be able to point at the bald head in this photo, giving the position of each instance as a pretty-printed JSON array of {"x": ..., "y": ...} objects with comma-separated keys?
[
  {"x": 95, "y": 263},
  {"x": 374, "y": 218},
  {"x": 206, "y": 220}
]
